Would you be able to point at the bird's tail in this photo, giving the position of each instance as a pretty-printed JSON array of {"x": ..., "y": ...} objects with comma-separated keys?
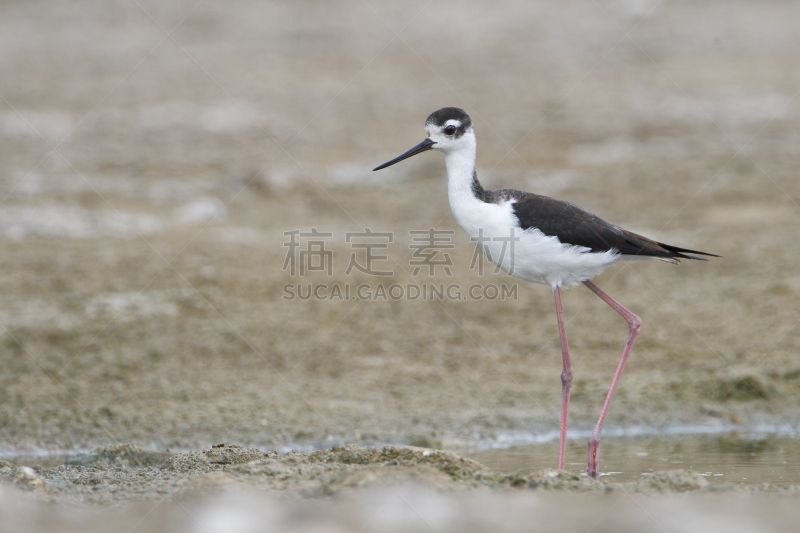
[{"x": 682, "y": 253}]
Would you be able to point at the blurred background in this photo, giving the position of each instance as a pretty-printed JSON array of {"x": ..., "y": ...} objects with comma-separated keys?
[{"x": 154, "y": 154}]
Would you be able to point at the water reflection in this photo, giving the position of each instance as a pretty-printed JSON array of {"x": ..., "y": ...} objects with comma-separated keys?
[{"x": 731, "y": 458}]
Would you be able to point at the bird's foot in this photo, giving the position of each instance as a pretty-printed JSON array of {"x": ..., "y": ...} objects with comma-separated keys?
[{"x": 594, "y": 459}]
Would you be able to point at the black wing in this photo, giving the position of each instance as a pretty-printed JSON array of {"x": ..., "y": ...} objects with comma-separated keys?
[{"x": 573, "y": 225}]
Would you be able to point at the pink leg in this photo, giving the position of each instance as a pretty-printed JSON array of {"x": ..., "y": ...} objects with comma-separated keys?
[
  {"x": 635, "y": 324},
  {"x": 566, "y": 380}
]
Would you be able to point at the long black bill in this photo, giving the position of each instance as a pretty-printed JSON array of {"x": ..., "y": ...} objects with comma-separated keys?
[{"x": 424, "y": 146}]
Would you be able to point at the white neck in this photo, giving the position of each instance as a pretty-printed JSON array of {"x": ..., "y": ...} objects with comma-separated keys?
[
  {"x": 465, "y": 206},
  {"x": 460, "y": 171}
]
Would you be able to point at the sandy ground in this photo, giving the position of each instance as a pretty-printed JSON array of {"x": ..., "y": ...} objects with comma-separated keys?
[
  {"x": 229, "y": 488},
  {"x": 148, "y": 178}
]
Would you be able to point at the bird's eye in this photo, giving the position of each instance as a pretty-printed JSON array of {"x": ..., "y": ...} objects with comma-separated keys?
[{"x": 450, "y": 130}]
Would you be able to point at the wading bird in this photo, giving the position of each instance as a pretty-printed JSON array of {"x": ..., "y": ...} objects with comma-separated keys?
[{"x": 540, "y": 240}]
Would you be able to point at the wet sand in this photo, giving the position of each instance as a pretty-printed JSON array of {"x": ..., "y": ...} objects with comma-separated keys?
[
  {"x": 142, "y": 275},
  {"x": 230, "y": 488}
]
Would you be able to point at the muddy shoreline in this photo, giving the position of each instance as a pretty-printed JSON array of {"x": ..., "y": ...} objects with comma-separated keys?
[
  {"x": 148, "y": 184},
  {"x": 142, "y": 271},
  {"x": 127, "y": 473},
  {"x": 353, "y": 482}
]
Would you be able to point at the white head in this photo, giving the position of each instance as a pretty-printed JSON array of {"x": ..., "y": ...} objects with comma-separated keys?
[{"x": 449, "y": 130}]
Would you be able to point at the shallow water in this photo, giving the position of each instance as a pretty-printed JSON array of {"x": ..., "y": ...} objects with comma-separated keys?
[
  {"x": 43, "y": 460},
  {"x": 732, "y": 458}
]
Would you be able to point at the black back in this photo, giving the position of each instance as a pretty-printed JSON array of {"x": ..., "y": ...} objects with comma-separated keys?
[{"x": 574, "y": 225}]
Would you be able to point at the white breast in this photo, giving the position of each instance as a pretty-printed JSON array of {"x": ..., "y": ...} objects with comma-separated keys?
[{"x": 527, "y": 254}]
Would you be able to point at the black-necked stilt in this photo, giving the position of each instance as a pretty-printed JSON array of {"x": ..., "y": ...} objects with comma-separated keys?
[{"x": 553, "y": 242}]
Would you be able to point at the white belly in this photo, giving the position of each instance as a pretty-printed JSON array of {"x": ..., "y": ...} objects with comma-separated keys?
[{"x": 527, "y": 254}]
